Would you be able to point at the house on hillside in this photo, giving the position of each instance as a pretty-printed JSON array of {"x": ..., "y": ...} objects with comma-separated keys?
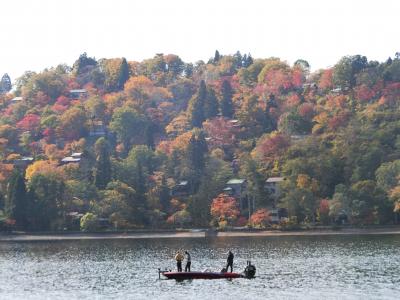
[
  {"x": 235, "y": 123},
  {"x": 23, "y": 162},
  {"x": 237, "y": 187},
  {"x": 16, "y": 100},
  {"x": 78, "y": 94},
  {"x": 97, "y": 129},
  {"x": 181, "y": 189},
  {"x": 272, "y": 186}
]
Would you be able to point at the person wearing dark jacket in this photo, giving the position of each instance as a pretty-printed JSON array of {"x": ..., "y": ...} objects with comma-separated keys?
[
  {"x": 188, "y": 261},
  {"x": 230, "y": 261}
]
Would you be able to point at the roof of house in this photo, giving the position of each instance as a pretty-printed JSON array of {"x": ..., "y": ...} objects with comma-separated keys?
[
  {"x": 76, "y": 154},
  {"x": 336, "y": 90},
  {"x": 183, "y": 183},
  {"x": 236, "y": 181},
  {"x": 26, "y": 158},
  {"x": 70, "y": 159},
  {"x": 17, "y": 99},
  {"x": 78, "y": 91},
  {"x": 275, "y": 179}
]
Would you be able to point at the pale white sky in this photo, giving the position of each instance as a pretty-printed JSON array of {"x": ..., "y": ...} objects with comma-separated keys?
[{"x": 36, "y": 34}]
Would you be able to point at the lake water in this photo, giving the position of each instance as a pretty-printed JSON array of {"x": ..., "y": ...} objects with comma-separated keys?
[{"x": 332, "y": 267}]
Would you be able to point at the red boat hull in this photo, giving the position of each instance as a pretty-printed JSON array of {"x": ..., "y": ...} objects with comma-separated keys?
[{"x": 200, "y": 275}]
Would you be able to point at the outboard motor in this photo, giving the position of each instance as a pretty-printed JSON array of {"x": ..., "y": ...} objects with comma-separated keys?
[{"x": 250, "y": 270}]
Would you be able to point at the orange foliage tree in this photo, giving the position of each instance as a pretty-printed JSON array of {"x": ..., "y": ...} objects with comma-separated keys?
[
  {"x": 224, "y": 208},
  {"x": 260, "y": 218}
]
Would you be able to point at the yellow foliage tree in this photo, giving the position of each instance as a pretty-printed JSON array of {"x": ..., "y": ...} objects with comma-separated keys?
[{"x": 45, "y": 167}]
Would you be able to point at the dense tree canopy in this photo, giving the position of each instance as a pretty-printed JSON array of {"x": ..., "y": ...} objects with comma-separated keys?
[{"x": 154, "y": 143}]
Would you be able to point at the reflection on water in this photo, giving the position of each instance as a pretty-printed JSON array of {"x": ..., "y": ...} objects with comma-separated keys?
[{"x": 333, "y": 267}]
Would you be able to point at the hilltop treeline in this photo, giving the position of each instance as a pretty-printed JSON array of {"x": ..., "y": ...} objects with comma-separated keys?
[{"x": 156, "y": 141}]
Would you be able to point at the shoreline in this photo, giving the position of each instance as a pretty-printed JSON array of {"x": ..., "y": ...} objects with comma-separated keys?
[{"x": 21, "y": 237}]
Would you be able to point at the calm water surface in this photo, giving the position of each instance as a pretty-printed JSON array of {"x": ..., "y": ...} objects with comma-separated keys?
[{"x": 334, "y": 267}]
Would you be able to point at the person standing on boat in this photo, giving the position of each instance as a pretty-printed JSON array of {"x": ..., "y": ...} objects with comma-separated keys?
[
  {"x": 188, "y": 261},
  {"x": 230, "y": 261},
  {"x": 179, "y": 257}
]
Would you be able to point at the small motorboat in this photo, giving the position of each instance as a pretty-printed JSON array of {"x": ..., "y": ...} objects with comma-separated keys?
[
  {"x": 200, "y": 275},
  {"x": 249, "y": 272}
]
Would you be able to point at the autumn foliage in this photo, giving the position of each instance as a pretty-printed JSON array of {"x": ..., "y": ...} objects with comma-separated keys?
[
  {"x": 224, "y": 208},
  {"x": 260, "y": 218},
  {"x": 333, "y": 134}
]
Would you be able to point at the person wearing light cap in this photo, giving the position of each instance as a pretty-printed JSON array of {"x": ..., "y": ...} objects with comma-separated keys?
[{"x": 179, "y": 258}]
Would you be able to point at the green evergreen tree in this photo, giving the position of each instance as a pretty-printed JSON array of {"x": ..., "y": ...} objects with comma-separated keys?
[
  {"x": 123, "y": 75},
  {"x": 196, "y": 106},
  {"x": 102, "y": 174},
  {"x": 237, "y": 57},
  {"x": 5, "y": 84},
  {"x": 149, "y": 136},
  {"x": 247, "y": 61},
  {"x": 164, "y": 194},
  {"x": 46, "y": 194},
  {"x": 211, "y": 104},
  {"x": 188, "y": 71},
  {"x": 82, "y": 62},
  {"x": 140, "y": 183},
  {"x": 226, "y": 102},
  {"x": 270, "y": 123},
  {"x": 217, "y": 56},
  {"x": 196, "y": 157},
  {"x": 16, "y": 202}
]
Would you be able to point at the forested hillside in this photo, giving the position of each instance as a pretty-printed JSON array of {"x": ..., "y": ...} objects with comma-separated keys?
[{"x": 160, "y": 143}]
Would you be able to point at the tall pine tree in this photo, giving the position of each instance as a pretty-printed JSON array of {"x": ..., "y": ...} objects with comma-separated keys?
[
  {"x": 226, "y": 102},
  {"x": 102, "y": 174},
  {"x": 196, "y": 106},
  {"x": 123, "y": 75},
  {"x": 140, "y": 183},
  {"x": 17, "y": 200},
  {"x": 5, "y": 84},
  {"x": 149, "y": 135},
  {"x": 217, "y": 56},
  {"x": 196, "y": 158},
  {"x": 211, "y": 104}
]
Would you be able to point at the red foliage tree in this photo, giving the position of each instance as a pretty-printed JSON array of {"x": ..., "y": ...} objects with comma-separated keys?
[
  {"x": 297, "y": 77},
  {"x": 326, "y": 80},
  {"x": 339, "y": 120},
  {"x": 364, "y": 93},
  {"x": 275, "y": 81},
  {"x": 271, "y": 146},
  {"x": 293, "y": 100},
  {"x": 306, "y": 110},
  {"x": 58, "y": 108},
  {"x": 62, "y": 100},
  {"x": 221, "y": 131},
  {"x": 392, "y": 93},
  {"x": 29, "y": 123},
  {"x": 324, "y": 211}
]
